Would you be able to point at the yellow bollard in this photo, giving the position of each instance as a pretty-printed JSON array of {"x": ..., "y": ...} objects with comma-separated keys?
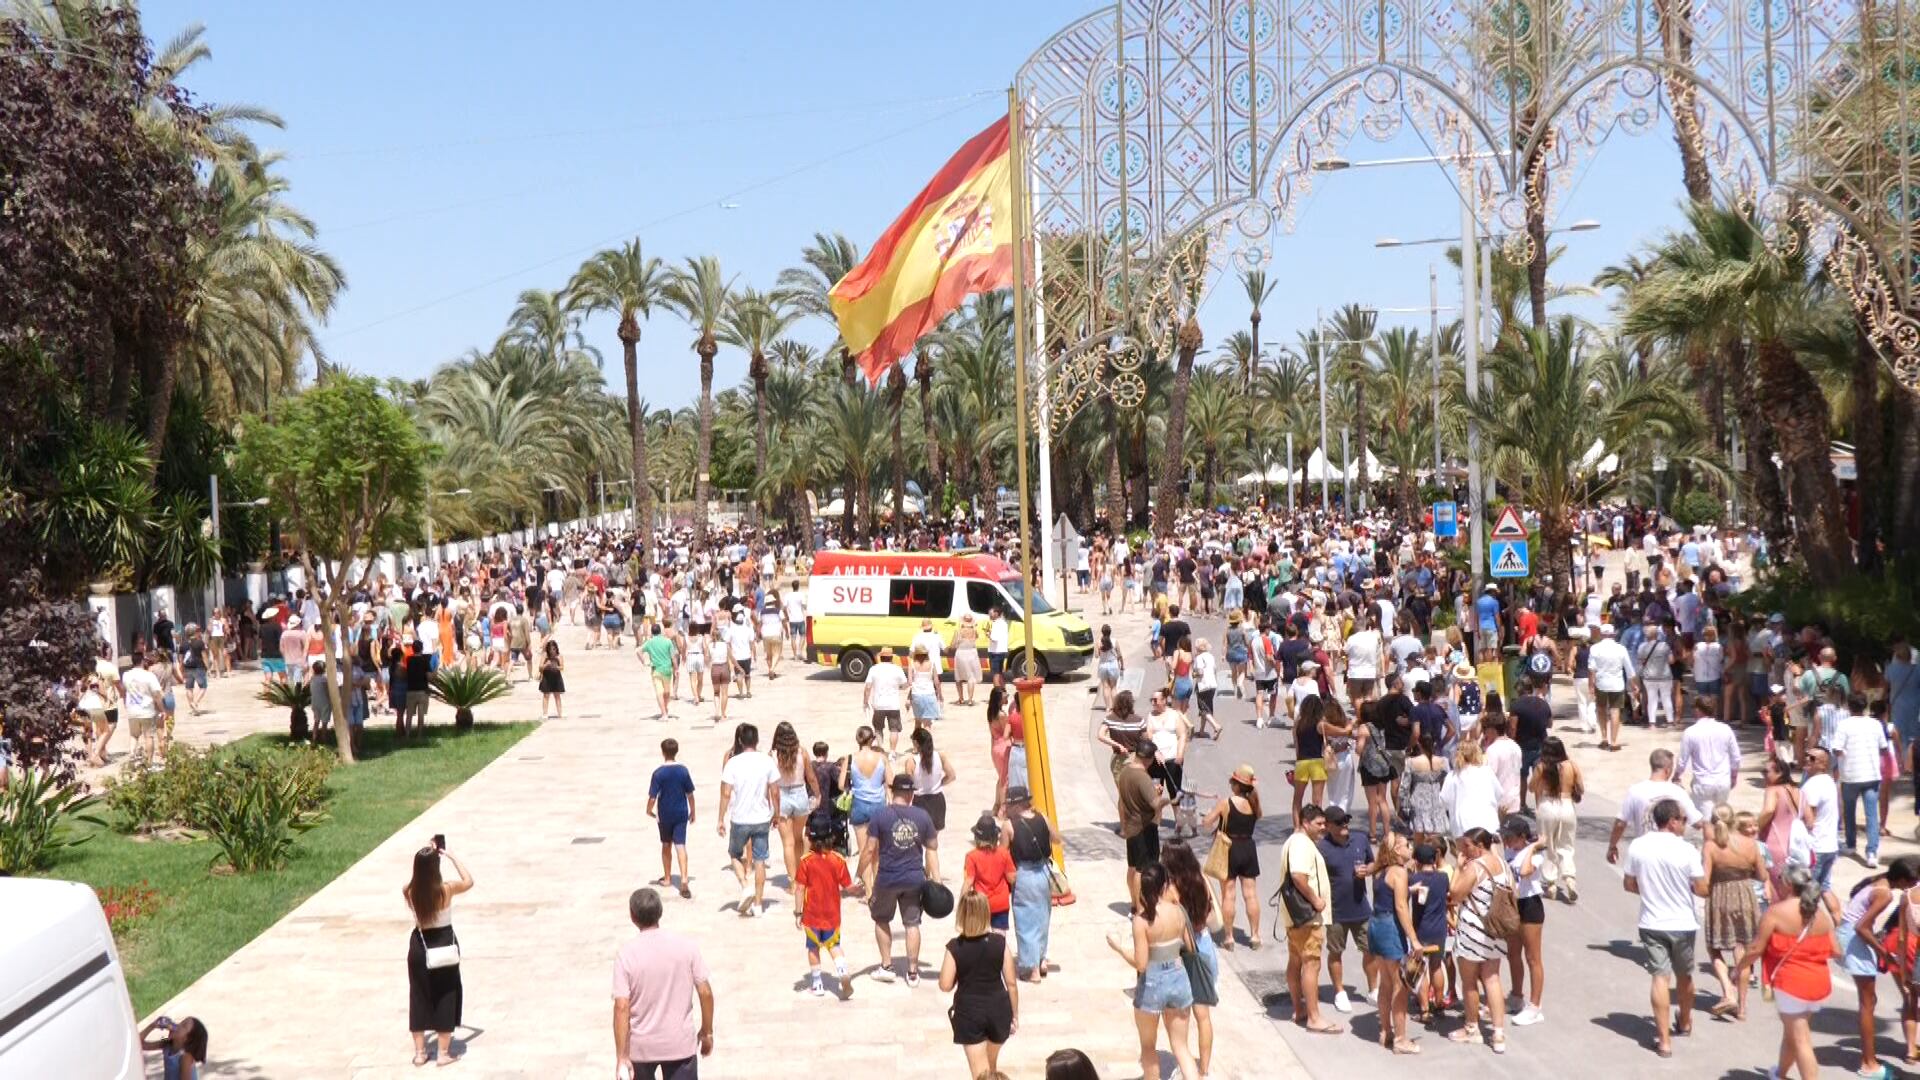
[{"x": 1040, "y": 772}]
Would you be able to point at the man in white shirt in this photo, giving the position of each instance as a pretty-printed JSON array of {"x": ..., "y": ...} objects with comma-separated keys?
[
  {"x": 1609, "y": 664},
  {"x": 1823, "y": 801},
  {"x": 1710, "y": 754},
  {"x": 140, "y": 692},
  {"x": 741, "y": 638},
  {"x": 795, "y": 607},
  {"x": 1858, "y": 742},
  {"x": 748, "y": 795},
  {"x": 1636, "y": 809},
  {"x": 1665, "y": 871},
  {"x": 884, "y": 693},
  {"x": 1363, "y": 661}
]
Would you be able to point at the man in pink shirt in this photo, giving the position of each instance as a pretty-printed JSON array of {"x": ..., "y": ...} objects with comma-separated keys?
[{"x": 656, "y": 976}]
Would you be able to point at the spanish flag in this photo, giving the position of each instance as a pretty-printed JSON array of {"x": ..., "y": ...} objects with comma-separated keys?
[{"x": 954, "y": 240}]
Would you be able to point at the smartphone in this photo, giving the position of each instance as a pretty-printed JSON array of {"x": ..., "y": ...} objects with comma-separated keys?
[{"x": 439, "y": 841}]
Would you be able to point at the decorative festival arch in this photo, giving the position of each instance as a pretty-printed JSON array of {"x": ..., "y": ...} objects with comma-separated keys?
[{"x": 1168, "y": 138}]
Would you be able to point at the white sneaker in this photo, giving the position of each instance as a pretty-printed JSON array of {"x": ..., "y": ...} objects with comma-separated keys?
[
  {"x": 840, "y": 971},
  {"x": 1873, "y": 862},
  {"x": 1342, "y": 1002},
  {"x": 1528, "y": 1016},
  {"x": 883, "y": 974},
  {"x": 817, "y": 988}
]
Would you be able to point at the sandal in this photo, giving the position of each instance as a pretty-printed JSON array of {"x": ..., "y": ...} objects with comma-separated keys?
[
  {"x": 1499, "y": 1041},
  {"x": 419, "y": 1059},
  {"x": 1405, "y": 1047},
  {"x": 660, "y": 883},
  {"x": 1464, "y": 1035},
  {"x": 1722, "y": 1010}
]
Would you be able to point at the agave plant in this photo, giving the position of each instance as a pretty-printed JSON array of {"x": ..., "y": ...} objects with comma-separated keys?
[
  {"x": 467, "y": 688},
  {"x": 32, "y": 810},
  {"x": 296, "y": 698}
]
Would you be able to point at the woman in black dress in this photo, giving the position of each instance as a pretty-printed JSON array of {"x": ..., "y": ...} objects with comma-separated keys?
[
  {"x": 552, "y": 683},
  {"x": 433, "y": 993},
  {"x": 1235, "y": 817},
  {"x": 978, "y": 970}
]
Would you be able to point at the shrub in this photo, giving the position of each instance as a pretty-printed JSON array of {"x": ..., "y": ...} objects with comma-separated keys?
[
  {"x": 466, "y": 688},
  {"x": 296, "y": 698},
  {"x": 1862, "y": 613},
  {"x": 126, "y": 905},
  {"x": 1697, "y": 508},
  {"x": 179, "y": 794},
  {"x": 255, "y": 802},
  {"x": 33, "y": 810}
]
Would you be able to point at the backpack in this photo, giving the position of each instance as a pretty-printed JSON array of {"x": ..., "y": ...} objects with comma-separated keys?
[
  {"x": 1540, "y": 664},
  {"x": 1374, "y": 764},
  {"x": 1502, "y": 916}
]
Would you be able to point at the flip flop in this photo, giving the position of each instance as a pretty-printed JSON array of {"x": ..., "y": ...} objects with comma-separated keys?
[
  {"x": 660, "y": 882},
  {"x": 1324, "y": 1028}
]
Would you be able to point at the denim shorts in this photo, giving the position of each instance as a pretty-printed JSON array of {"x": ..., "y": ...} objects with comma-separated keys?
[
  {"x": 1856, "y": 956},
  {"x": 1385, "y": 939},
  {"x": 862, "y": 812},
  {"x": 739, "y": 835},
  {"x": 795, "y": 802},
  {"x": 196, "y": 678},
  {"x": 925, "y": 707},
  {"x": 1163, "y": 986}
]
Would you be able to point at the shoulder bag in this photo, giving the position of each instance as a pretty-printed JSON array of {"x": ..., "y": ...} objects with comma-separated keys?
[
  {"x": 440, "y": 956},
  {"x": 1502, "y": 915},
  {"x": 1199, "y": 973},
  {"x": 1216, "y": 865}
]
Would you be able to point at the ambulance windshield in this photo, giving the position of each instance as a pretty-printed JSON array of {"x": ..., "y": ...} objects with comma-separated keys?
[{"x": 1015, "y": 589}]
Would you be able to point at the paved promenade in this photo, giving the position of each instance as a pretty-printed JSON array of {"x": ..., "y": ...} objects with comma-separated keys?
[{"x": 556, "y": 836}]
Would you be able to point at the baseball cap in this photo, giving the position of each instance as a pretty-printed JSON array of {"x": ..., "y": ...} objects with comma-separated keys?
[
  {"x": 1018, "y": 794},
  {"x": 1777, "y": 617},
  {"x": 902, "y": 783}
]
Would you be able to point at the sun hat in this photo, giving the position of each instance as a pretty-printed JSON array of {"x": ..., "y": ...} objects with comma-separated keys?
[
  {"x": 1245, "y": 774},
  {"x": 886, "y": 652},
  {"x": 1463, "y": 670}
]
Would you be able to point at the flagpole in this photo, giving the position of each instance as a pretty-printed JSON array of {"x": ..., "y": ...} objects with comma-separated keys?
[{"x": 1029, "y": 687}]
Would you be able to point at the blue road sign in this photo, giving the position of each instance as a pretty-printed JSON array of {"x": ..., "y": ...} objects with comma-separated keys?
[
  {"x": 1507, "y": 558},
  {"x": 1446, "y": 520}
]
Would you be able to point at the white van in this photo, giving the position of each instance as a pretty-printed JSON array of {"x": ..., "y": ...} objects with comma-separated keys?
[{"x": 64, "y": 1009}]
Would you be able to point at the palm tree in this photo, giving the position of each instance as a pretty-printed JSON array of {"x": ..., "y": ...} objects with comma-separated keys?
[
  {"x": 1216, "y": 420},
  {"x": 1188, "y": 279},
  {"x": 923, "y": 373},
  {"x": 1354, "y": 325},
  {"x": 1724, "y": 269},
  {"x": 754, "y": 321},
  {"x": 823, "y": 263},
  {"x": 1554, "y": 399},
  {"x": 1404, "y": 381},
  {"x": 625, "y": 281},
  {"x": 896, "y": 406},
  {"x": 542, "y": 322},
  {"x": 1258, "y": 289},
  {"x": 700, "y": 294},
  {"x": 853, "y": 435}
]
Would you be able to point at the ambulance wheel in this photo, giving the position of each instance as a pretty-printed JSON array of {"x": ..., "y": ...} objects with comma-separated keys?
[
  {"x": 1018, "y": 661},
  {"x": 854, "y": 665}
]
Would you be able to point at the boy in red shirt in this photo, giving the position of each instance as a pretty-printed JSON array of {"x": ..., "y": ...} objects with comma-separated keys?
[
  {"x": 989, "y": 871},
  {"x": 816, "y": 905}
]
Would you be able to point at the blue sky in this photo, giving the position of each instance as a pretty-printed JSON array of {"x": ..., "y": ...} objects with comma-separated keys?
[{"x": 454, "y": 155}]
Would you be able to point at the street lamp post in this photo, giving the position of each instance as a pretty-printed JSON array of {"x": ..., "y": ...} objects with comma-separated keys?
[
  {"x": 433, "y": 559},
  {"x": 214, "y": 504}
]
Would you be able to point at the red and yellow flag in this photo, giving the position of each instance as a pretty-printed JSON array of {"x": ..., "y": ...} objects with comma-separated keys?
[{"x": 954, "y": 240}]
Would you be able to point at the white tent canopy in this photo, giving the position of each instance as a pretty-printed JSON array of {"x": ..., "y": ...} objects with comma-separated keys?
[
  {"x": 1317, "y": 468},
  {"x": 1275, "y": 474},
  {"x": 882, "y": 503}
]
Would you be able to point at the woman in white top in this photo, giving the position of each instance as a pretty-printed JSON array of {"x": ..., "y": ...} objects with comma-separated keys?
[
  {"x": 1170, "y": 732},
  {"x": 217, "y": 644},
  {"x": 1363, "y": 660},
  {"x": 1472, "y": 792},
  {"x": 932, "y": 772},
  {"x": 1206, "y": 681},
  {"x": 694, "y": 660},
  {"x": 433, "y": 992}
]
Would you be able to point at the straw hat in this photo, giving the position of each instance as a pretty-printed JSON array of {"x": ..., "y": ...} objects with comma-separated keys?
[{"x": 1245, "y": 774}]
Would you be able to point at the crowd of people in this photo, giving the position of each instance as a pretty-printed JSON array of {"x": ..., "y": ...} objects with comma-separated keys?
[{"x": 1432, "y": 797}]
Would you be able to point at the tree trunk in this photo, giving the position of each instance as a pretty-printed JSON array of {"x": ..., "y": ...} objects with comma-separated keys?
[
  {"x": 847, "y": 508},
  {"x": 1116, "y": 483},
  {"x": 989, "y": 482},
  {"x": 1676, "y": 43},
  {"x": 1138, "y": 477},
  {"x": 702, "y": 476},
  {"x": 1174, "y": 465},
  {"x": 1769, "y": 501},
  {"x": 1556, "y": 536},
  {"x": 933, "y": 500},
  {"x": 1709, "y": 386},
  {"x": 757, "y": 369},
  {"x": 1536, "y": 188},
  {"x": 1871, "y": 483},
  {"x": 1253, "y": 366},
  {"x": 1206, "y": 479},
  {"x": 896, "y": 409},
  {"x": 158, "y": 384},
  {"x": 1797, "y": 410},
  {"x": 1902, "y": 514},
  {"x": 637, "y": 428}
]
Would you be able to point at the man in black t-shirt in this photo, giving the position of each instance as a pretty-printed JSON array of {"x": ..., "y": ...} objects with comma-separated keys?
[
  {"x": 1294, "y": 651},
  {"x": 1174, "y": 630},
  {"x": 1532, "y": 719},
  {"x": 1395, "y": 714}
]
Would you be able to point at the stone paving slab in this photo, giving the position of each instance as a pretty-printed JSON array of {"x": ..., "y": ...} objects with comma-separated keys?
[{"x": 323, "y": 992}]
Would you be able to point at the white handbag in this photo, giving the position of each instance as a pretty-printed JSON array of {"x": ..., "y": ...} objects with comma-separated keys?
[{"x": 440, "y": 956}]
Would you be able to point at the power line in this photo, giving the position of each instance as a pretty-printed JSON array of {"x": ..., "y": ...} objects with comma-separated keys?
[{"x": 644, "y": 226}]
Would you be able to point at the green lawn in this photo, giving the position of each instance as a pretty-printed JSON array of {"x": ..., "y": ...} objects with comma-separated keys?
[{"x": 204, "y": 917}]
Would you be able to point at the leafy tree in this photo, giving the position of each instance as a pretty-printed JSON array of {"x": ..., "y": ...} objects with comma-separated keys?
[{"x": 347, "y": 469}]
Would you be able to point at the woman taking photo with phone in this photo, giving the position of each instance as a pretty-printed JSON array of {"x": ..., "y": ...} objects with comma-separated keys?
[{"x": 433, "y": 952}]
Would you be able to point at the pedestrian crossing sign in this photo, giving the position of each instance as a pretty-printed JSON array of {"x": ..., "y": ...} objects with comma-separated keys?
[{"x": 1508, "y": 558}]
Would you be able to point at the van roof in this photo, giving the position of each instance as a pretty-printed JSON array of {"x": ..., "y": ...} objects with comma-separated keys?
[
  {"x": 966, "y": 564},
  {"x": 37, "y": 905}
]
